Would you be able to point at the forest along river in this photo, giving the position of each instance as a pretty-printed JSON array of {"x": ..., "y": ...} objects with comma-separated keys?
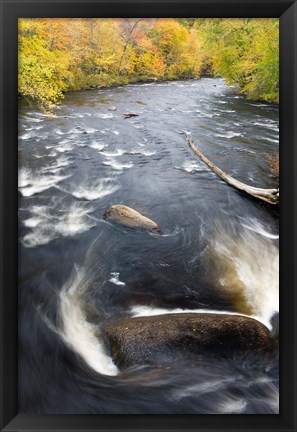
[{"x": 76, "y": 270}]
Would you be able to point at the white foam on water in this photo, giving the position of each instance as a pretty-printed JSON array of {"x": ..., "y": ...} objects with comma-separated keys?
[
  {"x": 34, "y": 128},
  {"x": 256, "y": 226},
  {"x": 258, "y": 104},
  {"x": 61, "y": 162},
  {"x": 191, "y": 166},
  {"x": 64, "y": 148},
  {"x": 117, "y": 165},
  {"x": 77, "y": 332},
  {"x": 39, "y": 156},
  {"x": 26, "y": 136},
  {"x": 142, "y": 152},
  {"x": 38, "y": 215},
  {"x": 95, "y": 190},
  {"x": 74, "y": 221},
  {"x": 232, "y": 405},
  {"x": 37, "y": 238},
  {"x": 65, "y": 141},
  {"x": 270, "y": 125},
  {"x": 51, "y": 222},
  {"x": 118, "y": 152},
  {"x": 53, "y": 153},
  {"x": 32, "y": 222},
  {"x": 105, "y": 116},
  {"x": 90, "y": 130},
  {"x": 115, "y": 132},
  {"x": 97, "y": 145},
  {"x": 59, "y": 132},
  {"x": 34, "y": 120},
  {"x": 273, "y": 140},
  {"x": 39, "y": 183},
  {"x": 230, "y": 134},
  {"x": 248, "y": 266},
  {"x": 115, "y": 279},
  {"x": 24, "y": 177}
]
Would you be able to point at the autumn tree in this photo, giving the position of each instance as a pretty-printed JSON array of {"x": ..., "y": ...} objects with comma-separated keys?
[
  {"x": 58, "y": 54},
  {"x": 41, "y": 71},
  {"x": 126, "y": 28}
]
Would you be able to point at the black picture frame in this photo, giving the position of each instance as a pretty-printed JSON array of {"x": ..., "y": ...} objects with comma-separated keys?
[{"x": 11, "y": 10}]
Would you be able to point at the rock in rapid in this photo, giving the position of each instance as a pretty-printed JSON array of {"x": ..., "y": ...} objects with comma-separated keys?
[
  {"x": 130, "y": 114},
  {"x": 131, "y": 218},
  {"x": 166, "y": 338}
]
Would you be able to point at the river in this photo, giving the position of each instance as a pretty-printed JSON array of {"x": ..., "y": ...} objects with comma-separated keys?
[{"x": 219, "y": 249}]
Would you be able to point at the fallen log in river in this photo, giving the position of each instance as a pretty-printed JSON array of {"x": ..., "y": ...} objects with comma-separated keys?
[{"x": 270, "y": 196}]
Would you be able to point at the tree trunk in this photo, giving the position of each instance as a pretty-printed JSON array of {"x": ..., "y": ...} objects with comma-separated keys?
[
  {"x": 270, "y": 196},
  {"x": 126, "y": 40}
]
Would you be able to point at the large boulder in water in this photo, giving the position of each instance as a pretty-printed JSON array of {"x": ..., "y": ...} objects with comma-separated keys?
[
  {"x": 131, "y": 218},
  {"x": 166, "y": 338}
]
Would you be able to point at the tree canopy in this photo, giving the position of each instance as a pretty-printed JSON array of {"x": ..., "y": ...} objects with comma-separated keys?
[{"x": 57, "y": 55}]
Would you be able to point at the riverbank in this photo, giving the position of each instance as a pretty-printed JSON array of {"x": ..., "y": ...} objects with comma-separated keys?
[{"x": 23, "y": 101}]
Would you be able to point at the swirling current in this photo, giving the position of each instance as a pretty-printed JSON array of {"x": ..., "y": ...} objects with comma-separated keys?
[{"x": 218, "y": 252}]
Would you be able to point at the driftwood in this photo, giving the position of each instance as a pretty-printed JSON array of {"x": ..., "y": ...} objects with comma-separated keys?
[
  {"x": 130, "y": 114},
  {"x": 270, "y": 196}
]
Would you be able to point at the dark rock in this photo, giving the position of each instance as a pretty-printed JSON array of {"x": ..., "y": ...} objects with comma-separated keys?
[{"x": 167, "y": 338}]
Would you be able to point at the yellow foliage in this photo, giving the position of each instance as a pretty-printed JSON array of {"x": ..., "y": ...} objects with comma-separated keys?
[{"x": 58, "y": 54}]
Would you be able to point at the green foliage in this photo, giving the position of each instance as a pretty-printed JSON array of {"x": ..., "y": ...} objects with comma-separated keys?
[
  {"x": 59, "y": 55},
  {"x": 245, "y": 52},
  {"x": 262, "y": 64}
]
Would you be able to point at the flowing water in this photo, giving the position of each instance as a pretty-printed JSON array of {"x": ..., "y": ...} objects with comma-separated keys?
[{"x": 218, "y": 251}]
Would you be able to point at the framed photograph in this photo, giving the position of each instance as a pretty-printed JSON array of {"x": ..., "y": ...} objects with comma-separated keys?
[{"x": 148, "y": 208}]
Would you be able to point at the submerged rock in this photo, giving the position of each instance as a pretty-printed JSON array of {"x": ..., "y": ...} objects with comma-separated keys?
[
  {"x": 131, "y": 218},
  {"x": 166, "y": 338}
]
